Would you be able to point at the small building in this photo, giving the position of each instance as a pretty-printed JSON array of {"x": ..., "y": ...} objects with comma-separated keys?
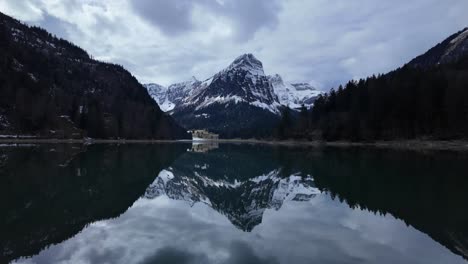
[{"x": 203, "y": 135}]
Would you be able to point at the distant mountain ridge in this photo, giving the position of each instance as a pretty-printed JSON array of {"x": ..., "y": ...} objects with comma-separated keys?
[
  {"x": 239, "y": 101},
  {"x": 293, "y": 95},
  {"x": 53, "y": 89},
  {"x": 254, "y": 196}
]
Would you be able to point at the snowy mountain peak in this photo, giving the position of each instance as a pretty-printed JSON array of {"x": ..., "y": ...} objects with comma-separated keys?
[
  {"x": 276, "y": 79},
  {"x": 248, "y": 62},
  {"x": 253, "y": 196}
]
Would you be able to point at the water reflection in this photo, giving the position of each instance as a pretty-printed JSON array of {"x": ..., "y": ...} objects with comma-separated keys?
[
  {"x": 204, "y": 146},
  {"x": 49, "y": 193},
  {"x": 231, "y": 204}
]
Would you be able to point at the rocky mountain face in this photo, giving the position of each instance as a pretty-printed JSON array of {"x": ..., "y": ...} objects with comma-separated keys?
[
  {"x": 52, "y": 88},
  {"x": 294, "y": 95},
  {"x": 159, "y": 94},
  {"x": 241, "y": 193},
  {"x": 450, "y": 50},
  {"x": 242, "y": 202},
  {"x": 239, "y": 101},
  {"x": 176, "y": 94}
]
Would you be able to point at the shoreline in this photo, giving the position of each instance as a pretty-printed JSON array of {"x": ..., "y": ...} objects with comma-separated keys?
[{"x": 453, "y": 145}]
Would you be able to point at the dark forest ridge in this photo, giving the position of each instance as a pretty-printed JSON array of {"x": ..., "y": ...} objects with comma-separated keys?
[
  {"x": 426, "y": 99},
  {"x": 51, "y": 88}
]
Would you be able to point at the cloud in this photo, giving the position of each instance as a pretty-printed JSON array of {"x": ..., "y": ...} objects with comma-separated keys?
[
  {"x": 325, "y": 42},
  {"x": 24, "y": 10},
  {"x": 177, "y": 17},
  {"x": 172, "y": 17},
  {"x": 322, "y": 230},
  {"x": 169, "y": 255}
]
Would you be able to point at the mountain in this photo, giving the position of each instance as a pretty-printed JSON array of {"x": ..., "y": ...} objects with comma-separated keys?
[
  {"x": 212, "y": 175},
  {"x": 51, "y": 88},
  {"x": 448, "y": 51},
  {"x": 242, "y": 202},
  {"x": 178, "y": 93},
  {"x": 239, "y": 101},
  {"x": 294, "y": 95},
  {"x": 159, "y": 94}
]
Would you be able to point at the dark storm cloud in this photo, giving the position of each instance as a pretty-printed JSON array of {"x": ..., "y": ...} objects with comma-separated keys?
[
  {"x": 239, "y": 252},
  {"x": 169, "y": 255},
  {"x": 249, "y": 16},
  {"x": 176, "y": 17},
  {"x": 171, "y": 17}
]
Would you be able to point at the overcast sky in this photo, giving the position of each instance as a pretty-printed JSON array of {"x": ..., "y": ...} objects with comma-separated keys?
[{"x": 325, "y": 42}]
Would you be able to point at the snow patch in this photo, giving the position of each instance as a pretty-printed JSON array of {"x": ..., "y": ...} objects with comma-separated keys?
[
  {"x": 166, "y": 176},
  {"x": 220, "y": 100},
  {"x": 460, "y": 37},
  {"x": 34, "y": 78},
  {"x": 274, "y": 107}
]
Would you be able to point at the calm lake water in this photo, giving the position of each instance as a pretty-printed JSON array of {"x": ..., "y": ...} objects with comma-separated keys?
[{"x": 183, "y": 203}]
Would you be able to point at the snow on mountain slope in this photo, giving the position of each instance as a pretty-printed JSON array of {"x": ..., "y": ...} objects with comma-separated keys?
[
  {"x": 179, "y": 93},
  {"x": 252, "y": 197},
  {"x": 238, "y": 101},
  {"x": 160, "y": 95},
  {"x": 293, "y": 95},
  {"x": 243, "y": 81}
]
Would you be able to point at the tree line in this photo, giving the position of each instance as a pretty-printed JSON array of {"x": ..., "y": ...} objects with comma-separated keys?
[{"x": 408, "y": 103}]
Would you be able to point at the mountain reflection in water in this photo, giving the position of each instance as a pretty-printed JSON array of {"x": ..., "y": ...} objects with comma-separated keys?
[{"x": 228, "y": 203}]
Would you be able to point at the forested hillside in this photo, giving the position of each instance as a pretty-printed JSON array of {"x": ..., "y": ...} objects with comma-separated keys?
[
  {"x": 417, "y": 101},
  {"x": 51, "y": 88}
]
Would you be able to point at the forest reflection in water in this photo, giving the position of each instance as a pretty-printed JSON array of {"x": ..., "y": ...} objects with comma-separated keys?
[{"x": 231, "y": 203}]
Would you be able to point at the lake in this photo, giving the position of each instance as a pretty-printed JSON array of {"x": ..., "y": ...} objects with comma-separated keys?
[{"x": 231, "y": 203}]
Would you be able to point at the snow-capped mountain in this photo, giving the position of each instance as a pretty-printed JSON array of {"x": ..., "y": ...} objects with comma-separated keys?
[
  {"x": 450, "y": 50},
  {"x": 239, "y": 101},
  {"x": 160, "y": 95},
  {"x": 175, "y": 94},
  {"x": 293, "y": 95},
  {"x": 244, "y": 81},
  {"x": 178, "y": 93},
  {"x": 243, "y": 203}
]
